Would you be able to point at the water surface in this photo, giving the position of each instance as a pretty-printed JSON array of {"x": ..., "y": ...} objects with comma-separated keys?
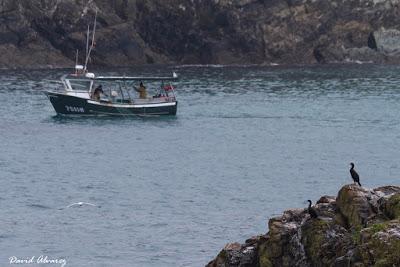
[{"x": 247, "y": 143}]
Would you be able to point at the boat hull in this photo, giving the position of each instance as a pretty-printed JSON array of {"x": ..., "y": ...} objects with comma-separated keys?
[{"x": 72, "y": 105}]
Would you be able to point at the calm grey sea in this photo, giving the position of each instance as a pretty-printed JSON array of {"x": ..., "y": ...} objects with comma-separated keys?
[{"x": 247, "y": 143}]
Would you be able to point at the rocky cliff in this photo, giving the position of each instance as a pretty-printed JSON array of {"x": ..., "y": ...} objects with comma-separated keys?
[
  {"x": 359, "y": 227},
  {"x": 40, "y": 33}
]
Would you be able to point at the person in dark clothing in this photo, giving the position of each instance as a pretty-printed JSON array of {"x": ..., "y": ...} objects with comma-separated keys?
[
  {"x": 97, "y": 92},
  {"x": 142, "y": 91}
]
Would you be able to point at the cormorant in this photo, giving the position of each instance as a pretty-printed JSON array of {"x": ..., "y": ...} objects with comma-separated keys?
[
  {"x": 311, "y": 210},
  {"x": 354, "y": 174}
]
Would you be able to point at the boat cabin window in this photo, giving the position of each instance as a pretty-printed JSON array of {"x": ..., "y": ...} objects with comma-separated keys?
[{"x": 80, "y": 85}]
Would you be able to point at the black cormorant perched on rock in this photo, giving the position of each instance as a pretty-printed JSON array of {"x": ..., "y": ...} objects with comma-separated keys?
[
  {"x": 311, "y": 210},
  {"x": 354, "y": 174}
]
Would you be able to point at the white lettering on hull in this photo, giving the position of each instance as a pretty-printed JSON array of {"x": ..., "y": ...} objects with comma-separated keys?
[{"x": 75, "y": 109}]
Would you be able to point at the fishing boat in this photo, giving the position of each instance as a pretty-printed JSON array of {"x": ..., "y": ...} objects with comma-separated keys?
[
  {"x": 87, "y": 94},
  {"x": 84, "y": 93}
]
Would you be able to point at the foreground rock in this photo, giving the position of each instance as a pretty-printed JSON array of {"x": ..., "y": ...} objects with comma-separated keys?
[
  {"x": 360, "y": 227},
  {"x": 41, "y": 33}
]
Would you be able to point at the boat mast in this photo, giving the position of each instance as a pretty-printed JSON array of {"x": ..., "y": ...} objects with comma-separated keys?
[
  {"x": 89, "y": 49},
  {"x": 76, "y": 61}
]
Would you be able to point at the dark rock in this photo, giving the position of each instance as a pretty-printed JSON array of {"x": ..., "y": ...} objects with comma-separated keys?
[
  {"x": 318, "y": 55},
  {"x": 391, "y": 207},
  {"x": 41, "y": 33},
  {"x": 324, "y": 242},
  {"x": 353, "y": 202},
  {"x": 354, "y": 230},
  {"x": 236, "y": 255},
  {"x": 372, "y": 42},
  {"x": 326, "y": 199},
  {"x": 387, "y": 190},
  {"x": 380, "y": 244}
]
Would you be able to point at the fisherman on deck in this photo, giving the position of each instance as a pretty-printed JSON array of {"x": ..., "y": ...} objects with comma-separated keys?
[
  {"x": 97, "y": 92},
  {"x": 142, "y": 91}
]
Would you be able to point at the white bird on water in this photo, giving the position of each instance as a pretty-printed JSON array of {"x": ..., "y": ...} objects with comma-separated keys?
[{"x": 80, "y": 204}]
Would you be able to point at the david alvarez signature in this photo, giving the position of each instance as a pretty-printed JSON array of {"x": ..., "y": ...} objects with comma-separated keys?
[{"x": 42, "y": 259}]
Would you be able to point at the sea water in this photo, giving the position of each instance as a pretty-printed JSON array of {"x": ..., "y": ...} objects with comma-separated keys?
[{"x": 247, "y": 143}]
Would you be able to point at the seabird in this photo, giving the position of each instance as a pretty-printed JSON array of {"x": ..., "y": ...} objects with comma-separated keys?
[
  {"x": 80, "y": 204},
  {"x": 354, "y": 174},
  {"x": 311, "y": 210}
]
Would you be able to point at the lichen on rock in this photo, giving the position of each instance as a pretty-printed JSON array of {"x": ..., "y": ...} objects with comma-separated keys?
[
  {"x": 380, "y": 244},
  {"x": 391, "y": 207},
  {"x": 354, "y": 203}
]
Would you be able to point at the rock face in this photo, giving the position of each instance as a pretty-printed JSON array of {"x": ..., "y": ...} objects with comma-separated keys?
[
  {"x": 359, "y": 227},
  {"x": 39, "y": 33}
]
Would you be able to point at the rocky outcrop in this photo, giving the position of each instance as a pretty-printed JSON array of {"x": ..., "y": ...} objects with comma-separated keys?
[
  {"x": 360, "y": 227},
  {"x": 47, "y": 32}
]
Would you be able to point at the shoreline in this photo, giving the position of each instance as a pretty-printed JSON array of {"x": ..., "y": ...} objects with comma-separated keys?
[{"x": 161, "y": 65}]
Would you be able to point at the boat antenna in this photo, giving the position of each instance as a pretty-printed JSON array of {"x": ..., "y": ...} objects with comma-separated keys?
[
  {"x": 76, "y": 61},
  {"x": 89, "y": 49}
]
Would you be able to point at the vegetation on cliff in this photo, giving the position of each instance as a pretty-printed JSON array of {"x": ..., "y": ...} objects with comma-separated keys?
[
  {"x": 46, "y": 32},
  {"x": 360, "y": 227}
]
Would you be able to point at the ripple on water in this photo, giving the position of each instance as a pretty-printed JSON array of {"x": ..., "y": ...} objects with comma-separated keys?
[{"x": 39, "y": 206}]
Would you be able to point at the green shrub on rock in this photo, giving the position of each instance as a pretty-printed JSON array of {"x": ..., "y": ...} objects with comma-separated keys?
[
  {"x": 392, "y": 206},
  {"x": 380, "y": 244}
]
